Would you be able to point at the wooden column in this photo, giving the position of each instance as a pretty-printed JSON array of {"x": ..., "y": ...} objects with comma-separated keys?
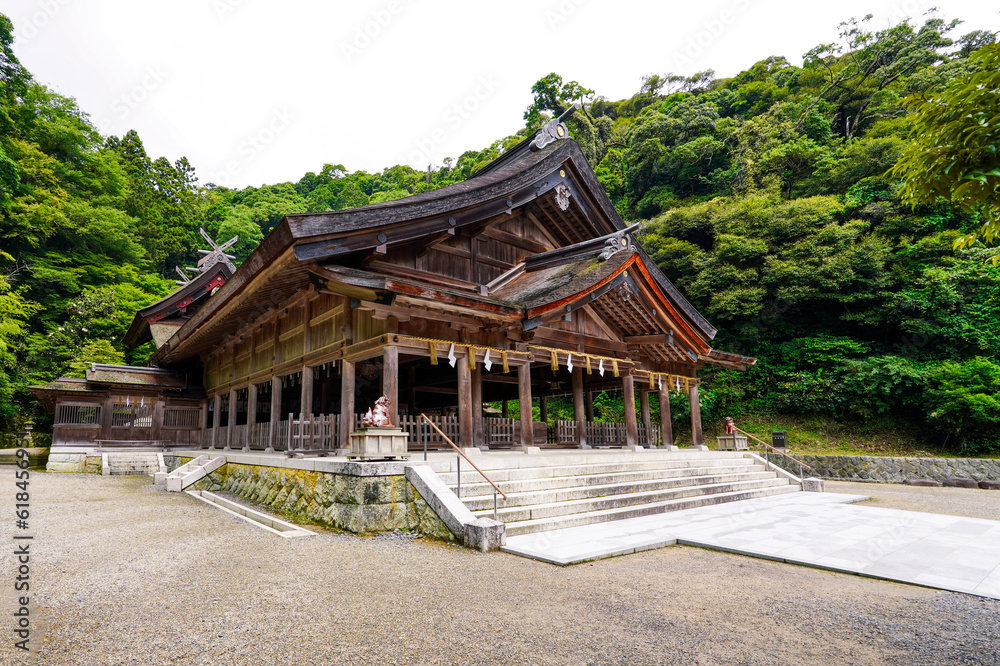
[
  {"x": 631, "y": 426},
  {"x": 665, "y": 427},
  {"x": 543, "y": 409},
  {"x": 232, "y": 419},
  {"x": 697, "y": 438},
  {"x": 647, "y": 421},
  {"x": 466, "y": 428},
  {"x": 216, "y": 420},
  {"x": 306, "y": 398},
  {"x": 505, "y": 409},
  {"x": 155, "y": 432},
  {"x": 272, "y": 438},
  {"x": 588, "y": 401},
  {"x": 579, "y": 410},
  {"x": 524, "y": 398},
  {"x": 203, "y": 422},
  {"x": 251, "y": 404},
  {"x": 346, "y": 403},
  {"x": 390, "y": 381},
  {"x": 478, "y": 434}
]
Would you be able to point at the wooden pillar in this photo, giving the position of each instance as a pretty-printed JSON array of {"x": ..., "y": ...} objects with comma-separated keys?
[
  {"x": 465, "y": 426},
  {"x": 631, "y": 426},
  {"x": 647, "y": 421},
  {"x": 505, "y": 409},
  {"x": 203, "y": 422},
  {"x": 524, "y": 398},
  {"x": 665, "y": 427},
  {"x": 588, "y": 401},
  {"x": 306, "y": 398},
  {"x": 232, "y": 419},
  {"x": 543, "y": 409},
  {"x": 155, "y": 432},
  {"x": 346, "y": 403},
  {"x": 478, "y": 434},
  {"x": 579, "y": 410},
  {"x": 390, "y": 381},
  {"x": 216, "y": 421},
  {"x": 252, "y": 404},
  {"x": 697, "y": 438},
  {"x": 272, "y": 437}
]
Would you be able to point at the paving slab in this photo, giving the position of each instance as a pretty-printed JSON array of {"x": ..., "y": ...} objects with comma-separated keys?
[{"x": 823, "y": 530}]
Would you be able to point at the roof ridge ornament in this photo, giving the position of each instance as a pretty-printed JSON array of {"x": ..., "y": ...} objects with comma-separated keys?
[
  {"x": 613, "y": 246},
  {"x": 553, "y": 130},
  {"x": 217, "y": 255}
]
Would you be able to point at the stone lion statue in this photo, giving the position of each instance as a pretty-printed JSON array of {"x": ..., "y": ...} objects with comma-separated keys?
[{"x": 380, "y": 418}]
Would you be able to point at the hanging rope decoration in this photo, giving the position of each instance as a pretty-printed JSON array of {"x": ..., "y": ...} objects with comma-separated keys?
[
  {"x": 555, "y": 360},
  {"x": 471, "y": 351}
]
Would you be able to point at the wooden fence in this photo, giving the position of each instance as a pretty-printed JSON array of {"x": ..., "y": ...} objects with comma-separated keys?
[{"x": 322, "y": 433}]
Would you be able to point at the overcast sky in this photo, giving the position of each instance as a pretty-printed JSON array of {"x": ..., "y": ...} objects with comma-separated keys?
[{"x": 261, "y": 91}]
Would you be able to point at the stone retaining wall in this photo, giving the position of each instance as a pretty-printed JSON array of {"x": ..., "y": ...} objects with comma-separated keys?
[
  {"x": 894, "y": 470},
  {"x": 73, "y": 462},
  {"x": 359, "y": 504}
]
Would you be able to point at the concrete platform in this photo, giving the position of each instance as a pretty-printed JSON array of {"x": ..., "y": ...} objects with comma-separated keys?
[{"x": 821, "y": 530}]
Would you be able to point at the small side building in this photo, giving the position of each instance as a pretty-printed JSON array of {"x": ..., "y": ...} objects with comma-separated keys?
[{"x": 519, "y": 284}]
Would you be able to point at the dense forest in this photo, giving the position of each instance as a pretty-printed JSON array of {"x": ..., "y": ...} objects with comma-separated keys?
[{"x": 795, "y": 206}]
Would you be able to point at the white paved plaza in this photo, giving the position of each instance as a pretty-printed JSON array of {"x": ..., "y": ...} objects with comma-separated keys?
[{"x": 812, "y": 529}]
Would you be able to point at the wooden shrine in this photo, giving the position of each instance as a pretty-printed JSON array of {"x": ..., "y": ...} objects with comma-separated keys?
[{"x": 519, "y": 283}]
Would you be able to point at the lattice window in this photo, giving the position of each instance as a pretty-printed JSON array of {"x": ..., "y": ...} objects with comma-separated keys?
[
  {"x": 181, "y": 418},
  {"x": 85, "y": 415}
]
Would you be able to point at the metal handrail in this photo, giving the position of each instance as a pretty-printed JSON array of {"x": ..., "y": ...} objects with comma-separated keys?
[
  {"x": 774, "y": 450},
  {"x": 459, "y": 451}
]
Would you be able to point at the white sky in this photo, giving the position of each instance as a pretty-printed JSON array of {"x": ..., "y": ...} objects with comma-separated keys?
[{"x": 258, "y": 91}]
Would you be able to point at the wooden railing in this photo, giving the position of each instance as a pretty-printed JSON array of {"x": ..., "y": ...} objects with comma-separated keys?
[{"x": 322, "y": 433}]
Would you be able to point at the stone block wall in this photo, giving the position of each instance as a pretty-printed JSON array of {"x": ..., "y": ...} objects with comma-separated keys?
[
  {"x": 894, "y": 470},
  {"x": 359, "y": 504}
]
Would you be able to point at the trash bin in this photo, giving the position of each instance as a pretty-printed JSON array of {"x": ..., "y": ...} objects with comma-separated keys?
[{"x": 779, "y": 439}]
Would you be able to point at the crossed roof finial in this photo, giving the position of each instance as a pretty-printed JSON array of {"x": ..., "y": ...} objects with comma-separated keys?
[{"x": 212, "y": 257}]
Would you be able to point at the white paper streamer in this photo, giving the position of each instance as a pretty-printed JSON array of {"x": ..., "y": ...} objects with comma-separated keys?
[
  {"x": 451, "y": 355},
  {"x": 569, "y": 362},
  {"x": 487, "y": 362},
  {"x": 600, "y": 367}
]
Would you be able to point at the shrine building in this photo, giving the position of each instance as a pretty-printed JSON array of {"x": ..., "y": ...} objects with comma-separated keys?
[{"x": 518, "y": 284}]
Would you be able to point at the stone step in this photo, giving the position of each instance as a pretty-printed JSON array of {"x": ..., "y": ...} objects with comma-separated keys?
[
  {"x": 608, "y": 490},
  {"x": 474, "y": 486},
  {"x": 499, "y": 475},
  {"x": 591, "y": 504},
  {"x": 621, "y": 513}
]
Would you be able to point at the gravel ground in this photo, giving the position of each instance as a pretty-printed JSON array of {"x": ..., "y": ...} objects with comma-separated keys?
[{"x": 124, "y": 573}]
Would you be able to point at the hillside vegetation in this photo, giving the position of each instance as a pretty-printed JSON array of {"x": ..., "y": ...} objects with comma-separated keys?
[{"x": 769, "y": 198}]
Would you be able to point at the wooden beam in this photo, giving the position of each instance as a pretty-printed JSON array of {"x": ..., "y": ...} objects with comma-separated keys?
[{"x": 649, "y": 339}]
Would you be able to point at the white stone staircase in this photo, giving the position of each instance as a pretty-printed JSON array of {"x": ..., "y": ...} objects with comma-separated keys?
[
  {"x": 131, "y": 463},
  {"x": 189, "y": 473},
  {"x": 555, "y": 494}
]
